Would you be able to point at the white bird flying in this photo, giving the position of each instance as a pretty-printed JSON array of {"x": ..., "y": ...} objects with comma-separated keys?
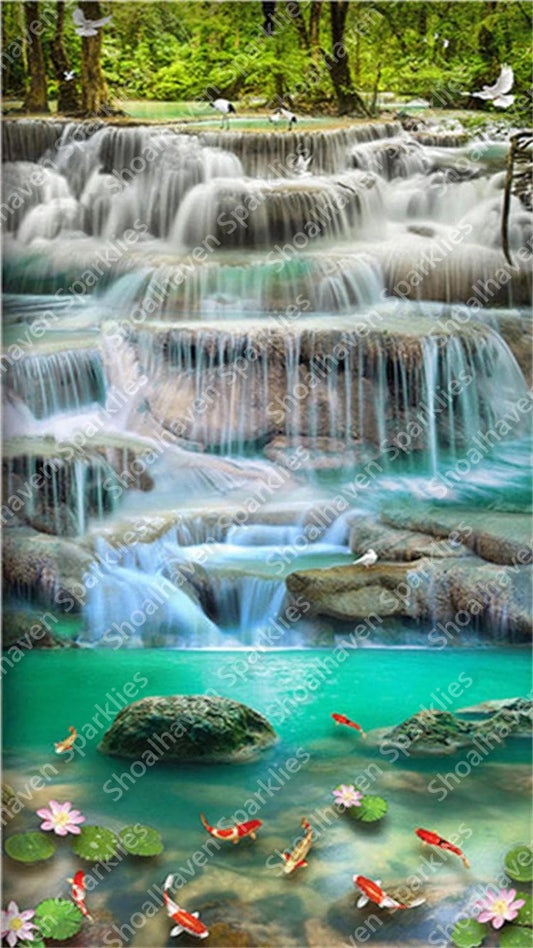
[
  {"x": 69, "y": 76},
  {"x": 280, "y": 114},
  {"x": 367, "y": 559},
  {"x": 225, "y": 108},
  {"x": 498, "y": 92},
  {"x": 87, "y": 27}
]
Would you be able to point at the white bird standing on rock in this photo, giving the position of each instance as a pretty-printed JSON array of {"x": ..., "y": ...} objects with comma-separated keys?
[
  {"x": 87, "y": 27},
  {"x": 367, "y": 559},
  {"x": 289, "y": 117},
  {"x": 498, "y": 92},
  {"x": 225, "y": 108}
]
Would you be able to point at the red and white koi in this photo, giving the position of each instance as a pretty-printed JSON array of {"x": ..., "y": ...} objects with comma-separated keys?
[
  {"x": 372, "y": 892},
  {"x": 342, "y": 719},
  {"x": 234, "y": 833},
  {"x": 296, "y": 859},
  {"x": 78, "y": 893},
  {"x": 62, "y": 746},
  {"x": 185, "y": 921},
  {"x": 435, "y": 840}
]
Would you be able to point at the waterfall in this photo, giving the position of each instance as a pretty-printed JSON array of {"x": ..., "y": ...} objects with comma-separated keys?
[
  {"x": 51, "y": 383},
  {"x": 225, "y": 388}
]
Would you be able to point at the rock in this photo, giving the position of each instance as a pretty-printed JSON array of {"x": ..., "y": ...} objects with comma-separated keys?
[
  {"x": 396, "y": 544},
  {"x": 45, "y": 568},
  {"x": 318, "y": 454},
  {"x": 351, "y": 592},
  {"x": 191, "y": 728},
  {"x": 441, "y": 732},
  {"x": 498, "y": 537},
  {"x": 36, "y": 634}
]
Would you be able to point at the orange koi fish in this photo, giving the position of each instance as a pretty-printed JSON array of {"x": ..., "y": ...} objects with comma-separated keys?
[
  {"x": 234, "y": 833},
  {"x": 78, "y": 893},
  {"x": 185, "y": 921},
  {"x": 372, "y": 892},
  {"x": 342, "y": 719},
  {"x": 435, "y": 840},
  {"x": 62, "y": 746},
  {"x": 296, "y": 858}
]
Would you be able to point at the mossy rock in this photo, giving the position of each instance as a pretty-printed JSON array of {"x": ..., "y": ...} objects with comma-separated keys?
[{"x": 188, "y": 728}]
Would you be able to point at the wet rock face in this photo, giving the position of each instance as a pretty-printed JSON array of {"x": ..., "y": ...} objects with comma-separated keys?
[
  {"x": 21, "y": 628},
  {"x": 188, "y": 728}
]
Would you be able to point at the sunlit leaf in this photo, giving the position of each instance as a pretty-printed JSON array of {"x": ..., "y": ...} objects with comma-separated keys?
[
  {"x": 95, "y": 843},
  {"x": 58, "y": 918},
  {"x": 469, "y": 933},
  {"x": 29, "y": 847}
]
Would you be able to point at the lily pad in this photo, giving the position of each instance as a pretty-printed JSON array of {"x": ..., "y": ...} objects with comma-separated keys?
[
  {"x": 95, "y": 843},
  {"x": 525, "y": 914},
  {"x": 469, "y": 933},
  {"x": 141, "y": 840},
  {"x": 514, "y": 936},
  {"x": 36, "y": 943},
  {"x": 58, "y": 918},
  {"x": 372, "y": 808},
  {"x": 519, "y": 864},
  {"x": 29, "y": 847}
]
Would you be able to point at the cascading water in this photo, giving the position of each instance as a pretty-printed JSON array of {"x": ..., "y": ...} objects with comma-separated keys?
[{"x": 260, "y": 296}]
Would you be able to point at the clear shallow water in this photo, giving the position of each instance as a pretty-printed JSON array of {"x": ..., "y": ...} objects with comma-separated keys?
[{"x": 297, "y": 691}]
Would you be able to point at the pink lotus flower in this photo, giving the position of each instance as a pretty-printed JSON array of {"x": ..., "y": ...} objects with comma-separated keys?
[
  {"x": 500, "y": 908},
  {"x": 60, "y": 818},
  {"x": 16, "y": 925},
  {"x": 347, "y": 795}
]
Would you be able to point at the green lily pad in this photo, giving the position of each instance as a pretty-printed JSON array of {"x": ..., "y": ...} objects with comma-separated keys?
[
  {"x": 372, "y": 808},
  {"x": 519, "y": 864},
  {"x": 141, "y": 840},
  {"x": 514, "y": 936},
  {"x": 95, "y": 843},
  {"x": 36, "y": 943},
  {"x": 29, "y": 847},
  {"x": 469, "y": 933},
  {"x": 525, "y": 914},
  {"x": 58, "y": 918}
]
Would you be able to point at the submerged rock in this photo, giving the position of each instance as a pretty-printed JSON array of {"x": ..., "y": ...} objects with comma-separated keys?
[
  {"x": 188, "y": 728},
  {"x": 441, "y": 732}
]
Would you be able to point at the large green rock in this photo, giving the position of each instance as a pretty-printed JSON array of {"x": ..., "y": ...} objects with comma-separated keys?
[{"x": 188, "y": 728}]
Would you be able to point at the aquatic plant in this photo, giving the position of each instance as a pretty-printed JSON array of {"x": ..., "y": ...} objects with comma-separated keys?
[
  {"x": 29, "y": 847},
  {"x": 347, "y": 796},
  {"x": 511, "y": 916},
  {"x": 96, "y": 843},
  {"x": 141, "y": 840},
  {"x": 519, "y": 864},
  {"x": 16, "y": 925},
  {"x": 61, "y": 818},
  {"x": 58, "y": 919},
  {"x": 368, "y": 808},
  {"x": 499, "y": 909}
]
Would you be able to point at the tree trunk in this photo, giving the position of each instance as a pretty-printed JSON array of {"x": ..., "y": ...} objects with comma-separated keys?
[
  {"x": 36, "y": 98},
  {"x": 349, "y": 102},
  {"x": 314, "y": 26},
  {"x": 95, "y": 98},
  {"x": 68, "y": 99}
]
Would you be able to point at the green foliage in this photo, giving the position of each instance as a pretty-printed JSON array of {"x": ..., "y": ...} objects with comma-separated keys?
[
  {"x": 525, "y": 914},
  {"x": 95, "y": 843},
  {"x": 469, "y": 933},
  {"x": 512, "y": 936},
  {"x": 29, "y": 847},
  {"x": 141, "y": 840},
  {"x": 190, "y": 50},
  {"x": 58, "y": 919},
  {"x": 519, "y": 864},
  {"x": 372, "y": 808}
]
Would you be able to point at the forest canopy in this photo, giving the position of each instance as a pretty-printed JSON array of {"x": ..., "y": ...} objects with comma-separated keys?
[{"x": 177, "y": 51}]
